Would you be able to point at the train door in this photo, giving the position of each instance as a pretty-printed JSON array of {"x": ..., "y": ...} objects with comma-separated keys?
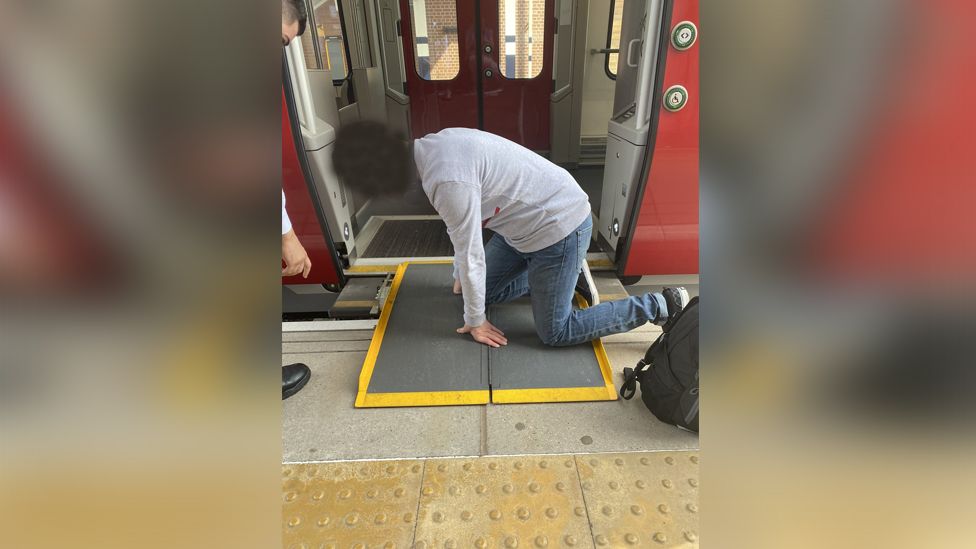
[
  {"x": 484, "y": 64},
  {"x": 306, "y": 181},
  {"x": 648, "y": 220}
]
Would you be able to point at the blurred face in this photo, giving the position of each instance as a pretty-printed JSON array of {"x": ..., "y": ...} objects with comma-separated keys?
[{"x": 288, "y": 31}]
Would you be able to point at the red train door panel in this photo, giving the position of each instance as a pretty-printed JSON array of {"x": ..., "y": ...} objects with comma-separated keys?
[
  {"x": 664, "y": 234},
  {"x": 503, "y": 75},
  {"x": 516, "y": 57},
  {"x": 441, "y": 64},
  {"x": 301, "y": 208}
]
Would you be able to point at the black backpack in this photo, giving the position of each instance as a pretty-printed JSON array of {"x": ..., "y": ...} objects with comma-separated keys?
[{"x": 668, "y": 373}]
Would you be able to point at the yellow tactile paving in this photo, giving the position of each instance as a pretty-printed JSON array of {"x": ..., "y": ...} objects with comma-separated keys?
[
  {"x": 641, "y": 499},
  {"x": 527, "y": 501},
  {"x": 350, "y": 504}
]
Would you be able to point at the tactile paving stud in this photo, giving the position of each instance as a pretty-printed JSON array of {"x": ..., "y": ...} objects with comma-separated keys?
[
  {"x": 331, "y": 505},
  {"x": 512, "y": 503},
  {"x": 641, "y": 499}
]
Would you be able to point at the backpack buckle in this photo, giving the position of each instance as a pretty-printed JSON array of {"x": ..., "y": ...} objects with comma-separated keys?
[{"x": 629, "y": 388}]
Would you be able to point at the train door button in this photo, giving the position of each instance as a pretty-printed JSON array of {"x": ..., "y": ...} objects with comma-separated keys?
[
  {"x": 675, "y": 98},
  {"x": 683, "y": 35}
]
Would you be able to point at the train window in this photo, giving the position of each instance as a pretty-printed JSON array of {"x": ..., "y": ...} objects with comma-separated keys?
[
  {"x": 435, "y": 38},
  {"x": 331, "y": 42},
  {"x": 308, "y": 48},
  {"x": 522, "y": 23},
  {"x": 613, "y": 36}
]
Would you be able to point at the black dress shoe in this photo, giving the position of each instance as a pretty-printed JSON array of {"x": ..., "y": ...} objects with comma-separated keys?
[{"x": 293, "y": 378}]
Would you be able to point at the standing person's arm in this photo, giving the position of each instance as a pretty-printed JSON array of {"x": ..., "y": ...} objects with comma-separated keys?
[
  {"x": 459, "y": 204},
  {"x": 292, "y": 252}
]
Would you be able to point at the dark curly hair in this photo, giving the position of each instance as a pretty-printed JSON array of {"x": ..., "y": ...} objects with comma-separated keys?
[{"x": 373, "y": 159}]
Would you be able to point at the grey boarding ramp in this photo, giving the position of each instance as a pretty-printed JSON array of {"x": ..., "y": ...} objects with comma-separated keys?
[{"x": 416, "y": 358}]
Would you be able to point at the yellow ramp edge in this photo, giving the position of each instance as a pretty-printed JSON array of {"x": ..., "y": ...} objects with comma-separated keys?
[
  {"x": 565, "y": 394},
  {"x": 364, "y": 399}
]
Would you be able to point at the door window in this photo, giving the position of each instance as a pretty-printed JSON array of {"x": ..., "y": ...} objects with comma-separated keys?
[
  {"x": 435, "y": 39},
  {"x": 521, "y": 33},
  {"x": 613, "y": 36},
  {"x": 331, "y": 42}
]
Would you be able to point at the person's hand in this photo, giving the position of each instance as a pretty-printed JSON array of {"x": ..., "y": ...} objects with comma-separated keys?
[
  {"x": 457, "y": 287},
  {"x": 486, "y": 333},
  {"x": 294, "y": 255}
]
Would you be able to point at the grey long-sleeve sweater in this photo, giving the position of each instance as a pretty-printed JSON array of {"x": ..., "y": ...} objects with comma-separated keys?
[{"x": 475, "y": 179}]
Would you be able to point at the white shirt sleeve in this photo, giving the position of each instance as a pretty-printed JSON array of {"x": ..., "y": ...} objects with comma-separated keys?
[
  {"x": 460, "y": 206},
  {"x": 285, "y": 222}
]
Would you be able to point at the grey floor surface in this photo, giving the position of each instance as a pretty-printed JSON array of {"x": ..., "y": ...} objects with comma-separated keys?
[
  {"x": 410, "y": 238},
  {"x": 590, "y": 179},
  {"x": 320, "y": 423}
]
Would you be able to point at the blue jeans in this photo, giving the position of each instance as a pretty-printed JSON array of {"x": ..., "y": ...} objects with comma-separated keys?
[{"x": 549, "y": 277}]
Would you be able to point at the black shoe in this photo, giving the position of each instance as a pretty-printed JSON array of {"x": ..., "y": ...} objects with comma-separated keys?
[
  {"x": 583, "y": 289},
  {"x": 293, "y": 378},
  {"x": 677, "y": 299}
]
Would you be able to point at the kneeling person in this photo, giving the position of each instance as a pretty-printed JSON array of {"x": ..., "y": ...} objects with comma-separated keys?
[{"x": 539, "y": 214}]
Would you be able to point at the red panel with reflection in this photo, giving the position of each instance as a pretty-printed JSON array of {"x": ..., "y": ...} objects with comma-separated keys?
[
  {"x": 48, "y": 245},
  {"x": 905, "y": 206}
]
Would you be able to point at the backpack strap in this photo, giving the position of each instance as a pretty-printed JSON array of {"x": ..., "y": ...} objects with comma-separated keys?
[{"x": 629, "y": 388}]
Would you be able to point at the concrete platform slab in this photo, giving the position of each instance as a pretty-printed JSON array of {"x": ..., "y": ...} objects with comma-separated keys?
[
  {"x": 321, "y": 424},
  {"x": 611, "y": 426}
]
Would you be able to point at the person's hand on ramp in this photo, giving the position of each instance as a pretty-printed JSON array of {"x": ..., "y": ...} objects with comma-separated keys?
[{"x": 486, "y": 333}]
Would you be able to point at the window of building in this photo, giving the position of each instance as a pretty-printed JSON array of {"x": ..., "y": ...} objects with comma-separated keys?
[{"x": 435, "y": 39}]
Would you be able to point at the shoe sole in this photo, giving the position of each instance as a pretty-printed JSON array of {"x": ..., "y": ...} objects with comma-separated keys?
[
  {"x": 297, "y": 387},
  {"x": 685, "y": 297}
]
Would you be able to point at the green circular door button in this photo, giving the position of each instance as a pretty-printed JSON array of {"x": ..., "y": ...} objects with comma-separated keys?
[
  {"x": 675, "y": 98},
  {"x": 683, "y": 35}
]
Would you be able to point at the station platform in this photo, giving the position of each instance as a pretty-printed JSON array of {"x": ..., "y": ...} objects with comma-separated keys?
[
  {"x": 331, "y": 446},
  {"x": 416, "y": 358}
]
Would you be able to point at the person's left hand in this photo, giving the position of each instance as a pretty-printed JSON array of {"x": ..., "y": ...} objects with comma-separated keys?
[
  {"x": 294, "y": 255},
  {"x": 485, "y": 333}
]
